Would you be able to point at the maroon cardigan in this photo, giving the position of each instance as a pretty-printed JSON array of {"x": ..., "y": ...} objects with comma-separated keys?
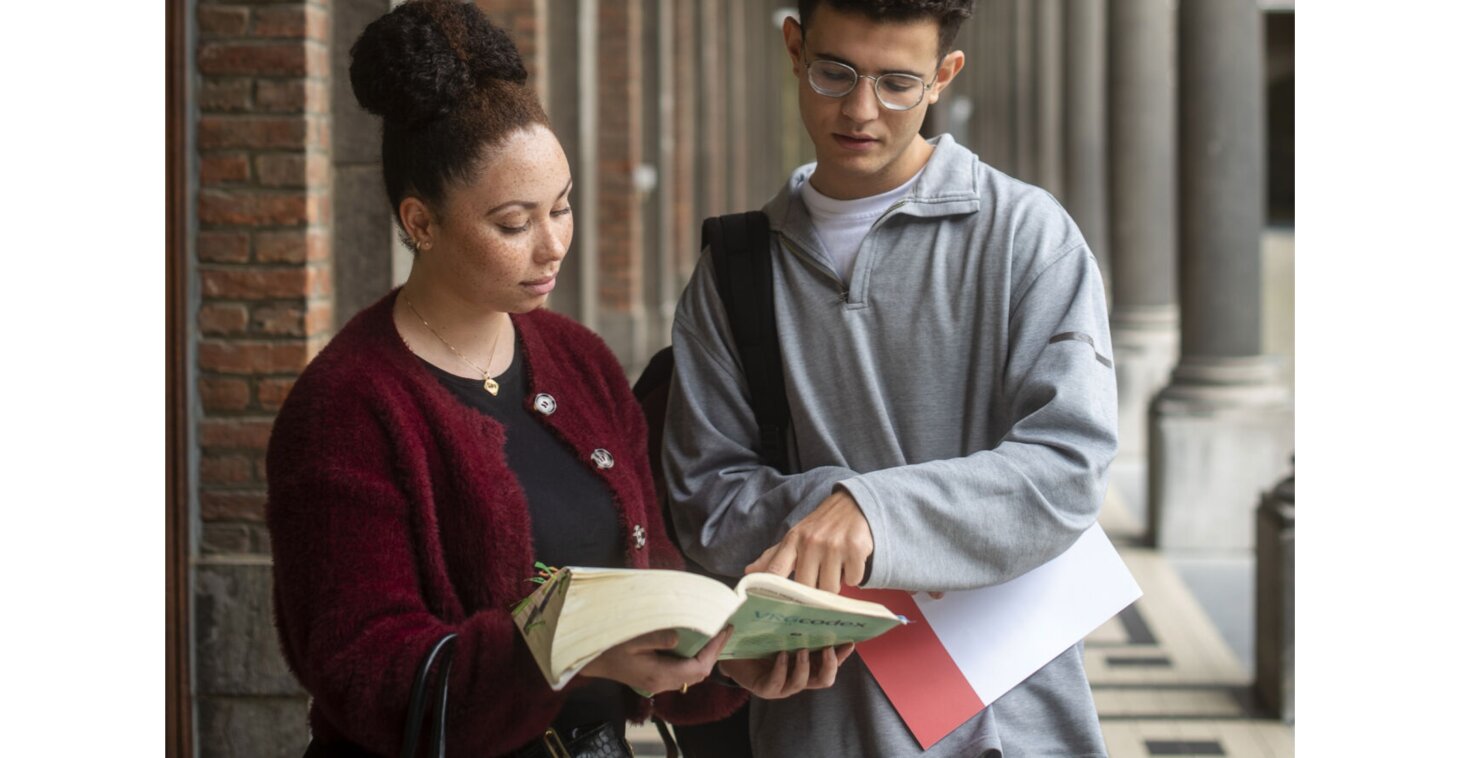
[{"x": 395, "y": 519}]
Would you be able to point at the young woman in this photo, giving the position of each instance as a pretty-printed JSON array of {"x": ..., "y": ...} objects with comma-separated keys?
[{"x": 454, "y": 433}]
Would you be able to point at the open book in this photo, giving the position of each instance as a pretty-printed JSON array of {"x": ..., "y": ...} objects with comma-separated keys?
[{"x": 580, "y": 612}]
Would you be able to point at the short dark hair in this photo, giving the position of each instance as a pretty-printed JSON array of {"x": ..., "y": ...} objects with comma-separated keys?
[
  {"x": 449, "y": 85},
  {"x": 949, "y": 14}
]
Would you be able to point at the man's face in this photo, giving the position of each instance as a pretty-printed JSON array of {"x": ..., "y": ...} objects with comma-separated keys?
[{"x": 862, "y": 148}]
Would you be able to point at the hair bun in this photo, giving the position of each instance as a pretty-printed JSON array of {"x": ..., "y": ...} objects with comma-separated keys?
[{"x": 415, "y": 63}]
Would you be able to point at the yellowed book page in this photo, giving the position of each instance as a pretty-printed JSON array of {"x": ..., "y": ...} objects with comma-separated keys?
[
  {"x": 606, "y": 607},
  {"x": 780, "y": 588}
]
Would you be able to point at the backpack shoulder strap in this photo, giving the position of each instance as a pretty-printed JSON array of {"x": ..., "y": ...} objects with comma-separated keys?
[{"x": 740, "y": 249}]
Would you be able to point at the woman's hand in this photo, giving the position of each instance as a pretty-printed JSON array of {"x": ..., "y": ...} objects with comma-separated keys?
[
  {"x": 788, "y": 673},
  {"x": 645, "y": 663}
]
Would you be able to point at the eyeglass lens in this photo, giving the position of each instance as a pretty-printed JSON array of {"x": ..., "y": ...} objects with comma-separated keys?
[{"x": 896, "y": 91}]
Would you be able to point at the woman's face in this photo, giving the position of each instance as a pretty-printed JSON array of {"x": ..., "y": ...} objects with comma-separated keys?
[{"x": 500, "y": 238}]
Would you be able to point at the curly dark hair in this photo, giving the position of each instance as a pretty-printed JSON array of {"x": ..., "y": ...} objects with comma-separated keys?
[
  {"x": 949, "y": 14},
  {"x": 449, "y": 85}
]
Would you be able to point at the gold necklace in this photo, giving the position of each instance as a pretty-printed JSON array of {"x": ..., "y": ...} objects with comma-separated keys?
[{"x": 488, "y": 383}]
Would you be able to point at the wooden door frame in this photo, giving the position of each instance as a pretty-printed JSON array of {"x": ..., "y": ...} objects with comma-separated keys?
[{"x": 179, "y": 689}]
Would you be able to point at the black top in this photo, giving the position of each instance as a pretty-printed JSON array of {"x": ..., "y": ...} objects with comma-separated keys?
[{"x": 574, "y": 520}]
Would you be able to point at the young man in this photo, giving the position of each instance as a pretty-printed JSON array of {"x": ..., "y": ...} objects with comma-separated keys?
[{"x": 947, "y": 363}]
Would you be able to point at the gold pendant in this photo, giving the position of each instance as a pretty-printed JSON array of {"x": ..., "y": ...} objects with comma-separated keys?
[{"x": 491, "y": 386}]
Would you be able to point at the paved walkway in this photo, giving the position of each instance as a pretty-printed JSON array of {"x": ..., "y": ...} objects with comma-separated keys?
[{"x": 1165, "y": 682}]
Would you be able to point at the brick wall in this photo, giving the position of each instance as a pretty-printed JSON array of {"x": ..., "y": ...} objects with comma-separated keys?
[
  {"x": 684, "y": 248},
  {"x": 263, "y": 277},
  {"x": 619, "y": 152},
  {"x": 524, "y": 20},
  {"x": 263, "y": 244}
]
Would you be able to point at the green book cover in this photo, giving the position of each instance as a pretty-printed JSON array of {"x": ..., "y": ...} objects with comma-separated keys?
[{"x": 580, "y": 612}]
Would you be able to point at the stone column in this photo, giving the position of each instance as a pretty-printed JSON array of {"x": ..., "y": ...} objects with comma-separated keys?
[
  {"x": 713, "y": 98},
  {"x": 1143, "y": 318},
  {"x": 738, "y": 93},
  {"x": 1223, "y": 428},
  {"x": 684, "y": 250},
  {"x": 569, "y": 93},
  {"x": 999, "y": 79},
  {"x": 1085, "y": 128},
  {"x": 1049, "y": 106},
  {"x": 991, "y": 85},
  {"x": 620, "y": 221},
  {"x": 661, "y": 286},
  {"x": 364, "y": 239},
  {"x": 764, "y": 52},
  {"x": 1024, "y": 73}
]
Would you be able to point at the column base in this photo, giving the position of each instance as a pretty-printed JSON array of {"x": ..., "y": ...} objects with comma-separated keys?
[
  {"x": 1147, "y": 344},
  {"x": 1274, "y": 665},
  {"x": 1219, "y": 435}
]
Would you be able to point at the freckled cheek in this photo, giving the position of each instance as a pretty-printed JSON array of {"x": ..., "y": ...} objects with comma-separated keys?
[
  {"x": 496, "y": 261},
  {"x": 512, "y": 264},
  {"x": 567, "y": 233}
]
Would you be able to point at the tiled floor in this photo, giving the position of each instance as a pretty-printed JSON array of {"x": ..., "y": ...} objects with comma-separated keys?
[{"x": 1165, "y": 682}]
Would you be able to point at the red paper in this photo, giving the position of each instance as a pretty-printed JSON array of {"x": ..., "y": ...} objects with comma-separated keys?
[{"x": 915, "y": 671}]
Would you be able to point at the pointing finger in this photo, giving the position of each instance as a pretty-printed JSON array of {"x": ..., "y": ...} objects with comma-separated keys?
[{"x": 779, "y": 560}]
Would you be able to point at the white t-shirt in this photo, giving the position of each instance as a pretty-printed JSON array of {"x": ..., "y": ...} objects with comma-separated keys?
[{"x": 841, "y": 224}]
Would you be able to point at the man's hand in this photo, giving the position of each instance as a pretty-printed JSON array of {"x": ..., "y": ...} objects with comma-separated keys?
[
  {"x": 786, "y": 674},
  {"x": 828, "y": 548}
]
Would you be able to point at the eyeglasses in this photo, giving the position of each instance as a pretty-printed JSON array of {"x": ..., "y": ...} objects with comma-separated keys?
[{"x": 896, "y": 92}]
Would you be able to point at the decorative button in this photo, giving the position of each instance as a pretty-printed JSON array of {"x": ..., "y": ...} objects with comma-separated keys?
[
  {"x": 544, "y": 404},
  {"x": 602, "y": 459},
  {"x": 641, "y": 538}
]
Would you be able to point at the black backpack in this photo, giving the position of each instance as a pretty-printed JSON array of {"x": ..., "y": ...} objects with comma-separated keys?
[{"x": 740, "y": 249}]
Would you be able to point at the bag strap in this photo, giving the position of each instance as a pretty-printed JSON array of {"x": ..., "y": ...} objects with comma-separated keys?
[
  {"x": 671, "y": 746},
  {"x": 443, "y": 649},
  {"x": 740, "y": 248}
]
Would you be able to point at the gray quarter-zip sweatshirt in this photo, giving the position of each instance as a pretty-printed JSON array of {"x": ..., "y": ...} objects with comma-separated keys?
[{"x": 959, "y": 385}]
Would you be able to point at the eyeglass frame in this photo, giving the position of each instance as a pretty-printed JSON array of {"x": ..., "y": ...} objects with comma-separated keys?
[{"x": 875, "y": 80}]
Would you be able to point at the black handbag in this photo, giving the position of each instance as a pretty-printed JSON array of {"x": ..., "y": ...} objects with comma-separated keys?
[
  {"x": 416, "y": 713},
  {"x": 600, "y": 742}
]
